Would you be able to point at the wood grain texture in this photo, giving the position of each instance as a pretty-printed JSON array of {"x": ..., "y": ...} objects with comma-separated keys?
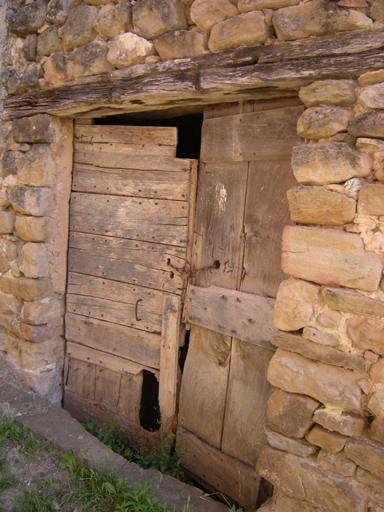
[
  {"x": 242, "y": 315},
  {"x": 130, "y": 396},
  {"x": 106, "y": 148},
  {"x": 81, "y": 378},
  {"x": 163, "y": 136},
  {"x": 107, "y": 387}
]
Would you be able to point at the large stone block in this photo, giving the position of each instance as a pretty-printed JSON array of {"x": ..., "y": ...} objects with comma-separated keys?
[
  {"x": 36, "y": 356},
  {"x": 206, "y": 13},
  {"x": 366, "y": 333},
  {"x": 331, "y": 442},
  {"x": 10, "y": 304},
  {"x": 328, "y": 384},
  {"x": 34, "y": 229},
  {"x": 322, "y": 122},
  {"x": 294, "y": 304},
  {"x": 78, "y": 28},
  {"x": 329, "y": 256},
  {"x": 90, "y": 59},
  {"x": 373, "y": 96},
  {"x": 296, "y": 446},
  {"x": 290, "y": 414},
  {"x": 316, "y": 18},
  {"x": 28, "y": 18},
  {"x": 33, "y": 260},
  {"x": 329, "y": 319},
  {"x": 376, "y": 402},
  {"x": 317, "y": 205},
  {"x": 377, "y": 10},
  {"x": 351, "y": 301},
  {"x": 128, "y": 49},
  {"x": 108, "y": 24},
  {"x": 336, "y": 463},
  {"x": 31, "y": 200},
  {"x": 367, "y": 454},
  {"x": 31, "y": 289},
  {"x": 35, "y": 333},
  {"x": 42, "y": 312},
  {"x": 153, "y": 18},
  {"x": 36, "y": 168},
  {"x": 49, "y": 42},
  {"x": 7, "y": 221},
  {"x": 242, "y": 30},
  {"x": 376, "y": 431},
  {"x": 57, "y": 12},
  {"x": 322, "y": 164},
  {"x": 33, "y": 129},
  {"x": 336, "y": 420},
  {"x": 371, "y": 200},
  {"x": 254, "y": 5},
  {"x": 370, "y": 124},
  {"x": 181, "y": 44},
  {"x": 332, "y": 92},
  {"x": 58, "y": 68}
]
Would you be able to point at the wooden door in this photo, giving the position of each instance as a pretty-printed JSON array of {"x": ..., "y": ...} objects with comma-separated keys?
[
  {"x": 241, "y": 210},
  {"x": 131, "y": 216}
]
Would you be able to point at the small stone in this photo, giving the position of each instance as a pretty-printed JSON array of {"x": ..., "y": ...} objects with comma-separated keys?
[
  {"x": 337, "y": 463},
  {"x": 377, "y": 10},
  {"x": 123, "y": 12},
  {"x": 34, "y": 229},
  {"x": 373, "y": 96},
  {"x": 36, "y": 168},
  {"x": 376, "y": 431},
  {"x": 49, "y": 42},
  {"x": 366, "y": 333},
  {"x": 58, "y": 69},
  {"x": 9, "y": 304},
  {"x": 15, "y": 271},
  {"x": 368, "y": 455},
  {"x": 329, "y": 163},
  {"x": 91, "y": 59},
  {"x": 353, "y": 302},
  {"x": 376, "y": 402},
  {"x": 30, "y": 47},
  {"x": 329, "y": 319},
  {"x": 181, "y": 44},
  {"x": 333, "y": 92},
  {"x": 12, "y": 251},
  {"x": 370, "y": 124},
  {"x": 108, "y": 24},
  {"x": 153, "y": 18},
  {"x": 78, "y": 29},
  {"x": 242, "y": 30},
  {"x": 377, "y": 371},
  {"x": 57, "y": 12},
  {"x": 128, "y": 49},
  {"x": 369, "y": 146},
  {"x": 31, "y": 289},
  {"x": 290, "y": 414},
  {"x": 255, "y": 5},
  {"x": 371, "y": 200},
  {"x": 331, "y": 442},
  {"x": 7, "y": 221},
  {"x": 31, "y": 200},
  {"x": 28, "y": 19},
  {"x": 33, "y": 260},
  {"x": 33, "y": 129},
  {"x": 42, "y": 312},
  {"x": 372, "y": 77},
  {"x": 9, "y": 163},
  {"x": 323, "y": 338},
  {"x": 6, "y": 285},
  {"x": 4, "y": 264},
  {"x": 296, "y": 446},
  {"x": 206, "y": 14},
  {"x": 322, "y": 122},
  {"x": 294, "y": 304}
]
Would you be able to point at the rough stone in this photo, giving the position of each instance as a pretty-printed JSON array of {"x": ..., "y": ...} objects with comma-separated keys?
[
  {"x": 294, "y": 304},
  {"x": 316, "y": 18},
  {"x": 35, "y": 333},
  {"x": 331, "y": 92},
  {"x": 337, "y": 463},
  {"x": 369, "y": 146},
  {"x": 91, "y": 59},
  {"x": 7, "y": 221},
  {"x": 296, "y": 446},
  {"x": 34, "y": 229},
  {"x": 153, "y": 18},
  {"x": 10, "y": 304},
  {"x": 317, "y": 352},
  {"x": 317, "y": 205},
  {"x": 323, "y": 338},
  {"x": 368, "y": 478},
  {"x": 282, "y": 503},
  {"x": 367, "y": 454},
  {"x": 20, "y": 81},
  {"x": 49, "y": 42},
  {"x": 371, "y": 77},
  {"x": 322, "y": 122},
  {"x": 376, "y": 431},
  {"x": 57, "y": 12},
  {"x": 123, "y": 11},
  {"x": 9, "y": 163},
  {"x": 323, "y": 164},
  {"x": 4, "y": 264},
  {"x": 78, "y": 29},
  {"x": 6, "y": 285},
  {"x": 329, "y": 319},
  {"x": 36, "y": 167},
  {"x": 4, "y": 203},
  {"x": 30, "y": 47},
  {"x": 371, "y": 200},
  {"x": 370, "y": 124},
  {"x": 206, "y": 14},
  {"x": 33, "y": 260},
  {"x": 42, "y": 312},
  {"x": 31, "y": 200},
  {"x": 181, "y": 44},
  {"x": 376, "y": 402},
  {"x": 28, "y": 19},
  {"x": 353, "y": 302},
  {"x": 242, "y": 30},
  {"x": 58, "y": 69},
  {"x": 377, "y": 371},
  {"x": 34, "y": 356},
  {"x": 366, "y": 333},
  {"x": 33, "y": 129},
  {"x": 328, "y": 384},
  {"x": 254, "y": 5},
  {"x": 108, "y": 24},
  {"x": 331, "y": 442},
  {"x": 290, "y": 414},
  {"x": 128, "y": 49},
  {"x": 373, "y": 96},
  {"x": 377, "y": 10}
]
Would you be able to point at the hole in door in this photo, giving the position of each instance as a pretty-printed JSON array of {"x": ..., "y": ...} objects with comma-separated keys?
[{"x": 149, "y": 404}]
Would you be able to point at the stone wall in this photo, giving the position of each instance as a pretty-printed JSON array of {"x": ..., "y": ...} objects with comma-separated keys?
[
  {"x": 326, "y": 416},
  {"x": 60, "y": 40}
]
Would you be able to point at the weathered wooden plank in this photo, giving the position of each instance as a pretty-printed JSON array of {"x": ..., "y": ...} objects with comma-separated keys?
[
  {"x": 138, "y": 346},
  {"x": 204, "y": 384},
  {"x": 81, "y": 378},
  {"x": 228, "y": 109},
  {"x": 104, "y": 149},
  {"x": 253, "y": 136},
  {"x": 129, "y": 182},
  {"x": 248, "y": 392},
  {"x": 114, "y": 363},
  {"x": 130, "y": 396},
  {"x": 107, "y": 387},
  {"x": 169, "y": 359},
  {"x": 192, "y": 214},
  {"x": 226, "y": 474},
  {"x": 160, "y": 135},
  {"x": 242, "y": 315}
]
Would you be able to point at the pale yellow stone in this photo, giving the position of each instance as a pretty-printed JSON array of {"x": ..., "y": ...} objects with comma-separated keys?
[
  {"x": 7, "y": 221},
  {"x": 36, "y": 168},
  {"x": 331, "y": 442},
  {"x": 322, "y": 122},
  {"x": 287, "y": 444},
  {"x": 128, "y": 49},
  {"x": 42, "y": 312},
  {"x": 33, "y": 260},
  {"x": 181, "y": 44},
  {"x": 366, "y": 333},
  {"x": 34, "y": 229},
  {"x": 254, "y": 5},
  {"x": 328, "y": 92},
  {"x": 329, "y": 319},
  {"x": 206, "y": 13},
  {"x": 153, "y": 18},
  {"x": 372, "y": 77},
  {"x": 371, "y": 200},
  {"x": 107, "y": 24},
  {"x": 337, "y": 420}
]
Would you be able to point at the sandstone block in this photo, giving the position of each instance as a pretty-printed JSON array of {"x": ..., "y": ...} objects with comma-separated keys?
[
  {"x": 296, "y": 446},
  {"x": 31, "y": 289},
  {"x": 42, "y": 312},
  {"x": 329, "y": 319},
  {"x": 368, "y": 478},
  {"x": 328, "y": 384},
  {"x": 323, "y": 338},
  {"x": 35, "y": 333},
  {"x": 128, "y": 49},
  {"x": 91, "y": 59},
  {"x": 366, "y": 333},
  {"x": 242, "y": 30},
  {"x": 373, "y": 96},
  {"x": 6, "y": 285},
  {"x": 254, "y": 5},
  {"x": 153, "y": 18},
  {"x": 33, "y": 129},
  {"x": 31, "y": 200},
  {"x": 367, "y": 125},
  {"x": 108, "y": 24},
  {"x": 369, "y": 146},
  {"x": 313, "y": 19},
  {"x": 377, "y": 10},
  {"x": 317, "y": 352},
  {"x": 367, "y": 454},
  {"x": 290, "y": 414},
  {"x": 371, "y": 200},
  {"x": 371, "y": 77},
  {"x": 34, "y": 229},
  {"x": 36, "y": 356},
  {"x": 335, "y": 162},
  {"x": 7, "y": 221},
  {"x": 181, "y": 44},
  {"x": 337, "y": 463},
  {"x": 331, "y": 92},
  {"x": 322, "y": 122},
  {"x": 28, "y": 18},
  {"x": 329, "y": 256},
  {"x": 4, "y": 264},
  {"x": 317, "y": 205},
  {"x": 377, "y": 371},
  {"x": 376, "y": 431},
  {"x": 10, "y": 304},
  {"x": 376, "y": 402},
  {"x": 33, "y": 260},
  {"x": 58, "y": 69},
  {"x": 49, "y": 42},
  {"x": 331, "y": 442},
  {"x": 36, "y": 168},
  {"x": 57, "y": 12},
  {"x": 351, "y": 301},
  {"x": 294, "y": 304},
  {"x": 206, "y": 13},
  {"x": 78, "y": 28}
]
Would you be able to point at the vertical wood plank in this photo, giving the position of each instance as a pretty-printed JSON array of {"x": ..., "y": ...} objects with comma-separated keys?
[
  {"x": 130, "y": 396},
  {"x": 107, "y": 390},
  {"x": 81, "y": 378}
]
